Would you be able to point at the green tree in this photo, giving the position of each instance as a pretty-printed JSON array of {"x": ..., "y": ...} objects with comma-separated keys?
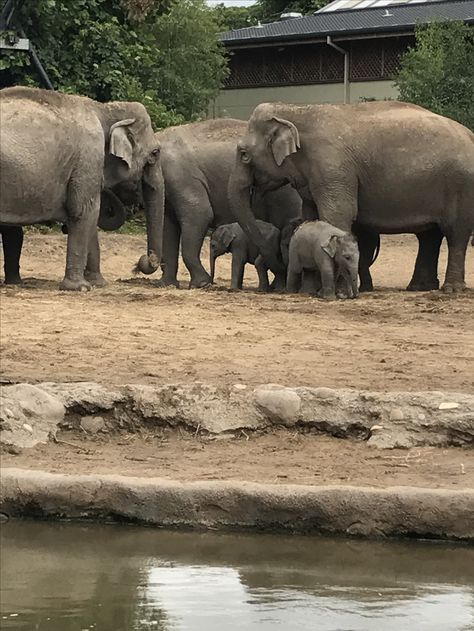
[
  {"x": 234, "y": 17},
  {"x": 162, "y": 53},
  {"x": 438, "y": 73}
]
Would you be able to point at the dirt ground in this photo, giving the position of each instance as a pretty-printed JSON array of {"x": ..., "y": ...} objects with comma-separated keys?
[
  {"x": 275, "y": 458},
  {"x": 133, "y": 332}
]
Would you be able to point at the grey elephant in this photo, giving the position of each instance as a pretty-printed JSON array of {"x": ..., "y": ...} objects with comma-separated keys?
[
  {"x": 364, "y": 163},
  {"x": 332, "y": 253},
  {"x": 231, "y": 238},
  {"x": 58, "y": 152},
  {"x": 197, "y": 160}
]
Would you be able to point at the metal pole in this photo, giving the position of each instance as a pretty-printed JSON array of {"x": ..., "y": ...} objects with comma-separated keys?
[
  {"x": 347, "y": 87},
  {"x": 35, "y": 60}
]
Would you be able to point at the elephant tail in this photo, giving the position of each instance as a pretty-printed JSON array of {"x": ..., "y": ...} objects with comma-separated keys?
[{"x": 376, "y": 253}]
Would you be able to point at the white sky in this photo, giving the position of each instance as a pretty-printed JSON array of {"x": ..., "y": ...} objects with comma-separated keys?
[{"x": 231, "y": 3}]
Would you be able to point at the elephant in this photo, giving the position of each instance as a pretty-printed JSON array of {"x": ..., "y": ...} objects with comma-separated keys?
[
  {"x": 58, "y": 152},
  {"x": 231, "y": 238},
  {"x": 365, "y": 163},
  {"x": 196, "y": 160},
  {"x": 332, "y": 253}
]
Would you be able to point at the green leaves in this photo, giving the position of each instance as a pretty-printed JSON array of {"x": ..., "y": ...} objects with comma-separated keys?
[
  {"x": 170, "y": 60},
  {"x": 439, "y": 72}
]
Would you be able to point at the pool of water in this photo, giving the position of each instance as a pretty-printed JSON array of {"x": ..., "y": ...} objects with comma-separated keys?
[{"x": 65, "y": 577}]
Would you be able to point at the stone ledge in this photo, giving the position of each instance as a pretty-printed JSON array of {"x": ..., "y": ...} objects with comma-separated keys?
[
  {"x": 383, "y": 419},
  {"x": 390, "y": 512}
]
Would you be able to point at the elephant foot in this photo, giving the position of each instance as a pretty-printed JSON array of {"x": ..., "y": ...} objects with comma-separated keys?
[
  {"x": 68, "y": 284},
  {"x": 13, "y": 280},
  {"x": 327, "y": 296},
  {"x": 454, "y": 288},
  {"x": 95, "y": 279},
  {"x": 200, "y": 283},
  {"x": 366, "y": 288},
  {"x": 423, "y": 285}
]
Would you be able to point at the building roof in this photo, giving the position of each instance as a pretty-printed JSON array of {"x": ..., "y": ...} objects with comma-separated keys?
[
  {"x": 337, "y": 5},
  {"x": 383, "y": 19}
]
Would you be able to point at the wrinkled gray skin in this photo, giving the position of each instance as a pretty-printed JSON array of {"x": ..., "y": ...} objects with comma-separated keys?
[
  {"x": 332, "y": 253},
  {"x": 390, "y": 166},
  {"x": 58, "y": 152},
  {"x": 197, "y": 160},
  {"x": 231, "y": 238}
]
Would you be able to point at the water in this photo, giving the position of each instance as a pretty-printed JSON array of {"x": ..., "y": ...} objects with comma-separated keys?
[{"x": 63, "y": 577}]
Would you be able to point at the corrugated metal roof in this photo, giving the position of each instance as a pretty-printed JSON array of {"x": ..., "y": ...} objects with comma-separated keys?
[
  {"x": 337, "y": 5},
  {"x": 383, "y": 19}
]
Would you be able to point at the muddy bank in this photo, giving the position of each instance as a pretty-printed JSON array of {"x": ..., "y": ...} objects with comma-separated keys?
[{"x": 392, "y": 512}]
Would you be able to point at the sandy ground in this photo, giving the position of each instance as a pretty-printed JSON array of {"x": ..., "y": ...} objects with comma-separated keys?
[
  {"x": 133, "y": 332},
  {"x": 276, "y": 458}
]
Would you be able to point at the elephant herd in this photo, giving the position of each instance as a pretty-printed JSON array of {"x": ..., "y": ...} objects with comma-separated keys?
[{"x": 303, "y": 191}]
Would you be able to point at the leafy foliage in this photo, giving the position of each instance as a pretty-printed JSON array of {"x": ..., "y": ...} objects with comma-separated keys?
[
  {"x": 234, "y": 17},
  {"x": 170, "y": 59},
  {"x": 439, "y": 72}
]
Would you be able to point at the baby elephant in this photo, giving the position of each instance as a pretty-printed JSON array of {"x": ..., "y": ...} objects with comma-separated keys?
[
  {"x": 333, "y": 253},
  {"x": 231, "y": 238}
]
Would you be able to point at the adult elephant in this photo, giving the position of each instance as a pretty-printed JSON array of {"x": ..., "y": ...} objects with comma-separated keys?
[
  {"x": 58, "y": 151},
  {"x": 391, "y": 167},
  {"x": 197, "y": 160}
]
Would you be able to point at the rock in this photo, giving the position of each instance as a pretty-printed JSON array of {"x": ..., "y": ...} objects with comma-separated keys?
[
  {"x": 28, "y": 415},
  {"x": 280, "y": 404},
  {"x": 448, "y": 405},
  {"x": 396, "y": 414},
  {"x": 93, "y": 424}
]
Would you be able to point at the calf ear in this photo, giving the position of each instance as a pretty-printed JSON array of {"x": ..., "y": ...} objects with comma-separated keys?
[
  {"x": 285, "y": 140},
  {"x": 330, "y": 246},
  {"x": 223, "y": 237},
  {"x": 119, "y": 142}
]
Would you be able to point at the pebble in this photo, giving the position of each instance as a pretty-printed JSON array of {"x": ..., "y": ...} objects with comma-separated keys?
[
  {"x": 93, "y": 424},
  {"x": 396, "y": 414},
  {"x": 448, "y": 405},
  {"x": 27, "y": 427}
]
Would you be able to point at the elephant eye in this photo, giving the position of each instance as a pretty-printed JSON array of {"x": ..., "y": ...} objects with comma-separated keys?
[
  {"x": 155, "y": 152},
  {"x": 244, "y": 156}
]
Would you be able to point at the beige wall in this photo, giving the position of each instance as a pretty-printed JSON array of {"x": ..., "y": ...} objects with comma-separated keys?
[{"x": 240, "y": 103}]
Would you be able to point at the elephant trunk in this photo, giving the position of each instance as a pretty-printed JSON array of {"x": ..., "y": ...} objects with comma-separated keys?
[
  {"x": 153, "y": 201},
  {"x": 112, "y": 212},
  {"x": 239, "y": 192},
  {"x": 212, "y": 260}
]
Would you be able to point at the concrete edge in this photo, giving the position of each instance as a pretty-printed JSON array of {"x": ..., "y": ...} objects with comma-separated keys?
[{"x": 357, "y": 511}]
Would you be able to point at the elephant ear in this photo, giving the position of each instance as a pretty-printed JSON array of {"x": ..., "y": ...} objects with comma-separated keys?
[
  {"x": 120, "y": 145},
  {"x": 112, "y": 212},
  {"x": 224, "y": 237},
  {"x": 285, "y": 140},
  {"x": 330, "y": 246}
]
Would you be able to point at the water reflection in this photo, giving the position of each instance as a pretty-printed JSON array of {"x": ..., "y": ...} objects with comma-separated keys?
[{"x": 57, "y": 577}]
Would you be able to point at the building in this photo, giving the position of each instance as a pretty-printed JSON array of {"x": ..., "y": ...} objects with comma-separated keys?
[{"x": 346, "y": 52}]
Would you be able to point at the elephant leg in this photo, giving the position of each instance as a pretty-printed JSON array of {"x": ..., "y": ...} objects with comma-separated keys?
[
  {"x": 81, "y": 227},
  {"x": 328, "y": 284},
  {"x": 367, "y": 242},
  {"x": 425, "y": 275},
  {"x": 238, "y": 268},
  {"x": 278, "y": 283},
  {"x": 293, "y": 278},
  {"x": 262, "y": 271},
  {"x": 309, "y": 210},
  {"x": 311, "y": 282},
  {"x": 12, "y": 241},
  {"x": 195, "y": 218},
  {"x": 92, "y": 272},
  {"x": 169, "y": 266},
  {"x": 458, "y": 239}
]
